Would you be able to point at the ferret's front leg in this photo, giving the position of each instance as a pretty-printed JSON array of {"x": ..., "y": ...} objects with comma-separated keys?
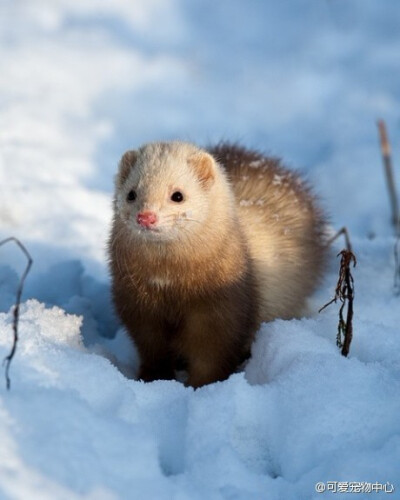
[
  {"x": 210, "y": 347},
  {"x": 156, "y": 362}
]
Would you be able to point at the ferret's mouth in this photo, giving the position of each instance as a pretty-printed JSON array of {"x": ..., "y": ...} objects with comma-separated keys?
[
  {"x": 150, "y": 233},
  {"x": 149, "y": 230}
]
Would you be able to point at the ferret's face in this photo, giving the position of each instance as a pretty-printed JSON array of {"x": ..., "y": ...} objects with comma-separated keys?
[{"x": 163, "y": 191}]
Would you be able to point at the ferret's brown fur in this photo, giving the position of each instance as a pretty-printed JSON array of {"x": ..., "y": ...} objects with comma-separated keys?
[{"x": 246, "y": 245}]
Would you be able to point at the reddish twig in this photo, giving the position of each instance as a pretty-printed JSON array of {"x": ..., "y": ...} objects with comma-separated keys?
[
  {"x": 387, "y": 162},
  {"x": 8, "y": 359}
]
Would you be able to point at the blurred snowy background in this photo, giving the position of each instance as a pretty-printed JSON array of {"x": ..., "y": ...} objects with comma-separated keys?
[{"x": 80, "y": 82}]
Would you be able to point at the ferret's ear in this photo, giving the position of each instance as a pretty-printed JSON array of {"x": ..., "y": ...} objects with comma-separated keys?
[
  {"x": 127, "y": 162},
  {"x": 204, "y": 166}
]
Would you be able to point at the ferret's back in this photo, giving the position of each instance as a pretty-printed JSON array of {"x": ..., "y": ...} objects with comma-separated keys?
[{"x": 284, "y": 227}]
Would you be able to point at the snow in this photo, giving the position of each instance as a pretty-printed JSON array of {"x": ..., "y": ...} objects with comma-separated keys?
[{"x": 83, "y": 81}]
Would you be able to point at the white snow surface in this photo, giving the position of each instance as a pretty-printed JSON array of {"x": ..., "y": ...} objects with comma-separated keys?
[{"x": 83, "y": 81}]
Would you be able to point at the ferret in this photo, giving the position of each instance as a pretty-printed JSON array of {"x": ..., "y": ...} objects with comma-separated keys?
[{"x": 205, "y": 246}]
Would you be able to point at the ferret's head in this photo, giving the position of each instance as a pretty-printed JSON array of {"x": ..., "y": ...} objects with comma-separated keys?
[{"x": 167, "y": 191}]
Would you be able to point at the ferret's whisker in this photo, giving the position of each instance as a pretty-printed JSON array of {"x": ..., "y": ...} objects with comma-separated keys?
[
  {"x": 178, "y": 218},
  {"x": 189, "y": 219}
]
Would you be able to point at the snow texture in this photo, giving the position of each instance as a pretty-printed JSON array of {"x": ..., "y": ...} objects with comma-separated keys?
[{"x": 83, "y": 81}]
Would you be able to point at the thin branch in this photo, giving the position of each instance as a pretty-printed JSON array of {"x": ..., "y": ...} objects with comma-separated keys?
[
  {"x": 7, "y": 360},
  {"x": 343, "y": 231},
  {"x": 387, "y": 162},
  {"x": 397, "y": 262}
]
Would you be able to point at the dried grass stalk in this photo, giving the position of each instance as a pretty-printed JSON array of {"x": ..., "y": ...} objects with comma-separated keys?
[
  {"x": 344, "y": 292},
  {"x": 8, "y": 359},
  {"x": 387, "y": 163}
]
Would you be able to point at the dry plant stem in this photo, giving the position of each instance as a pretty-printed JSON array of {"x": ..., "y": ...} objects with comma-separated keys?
[
  {"x": 345, "y": 294},
  {"x": 8, "y": 359},
  {"x": 387, "y": 162},
  {"x": 397, "y": 262},
  {"x": 343, "y": 231}
]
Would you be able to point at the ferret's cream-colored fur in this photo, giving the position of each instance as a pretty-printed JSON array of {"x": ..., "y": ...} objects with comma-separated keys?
[{"x": 284, "y": 229}]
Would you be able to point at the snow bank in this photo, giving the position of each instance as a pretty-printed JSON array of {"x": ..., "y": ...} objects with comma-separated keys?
[
  {"x": 61, "y": 418},
  {"x": 299, "y": 414}
]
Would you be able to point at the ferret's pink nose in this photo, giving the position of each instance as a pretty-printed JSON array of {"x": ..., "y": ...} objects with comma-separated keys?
[{"x": 146, "y": 219}]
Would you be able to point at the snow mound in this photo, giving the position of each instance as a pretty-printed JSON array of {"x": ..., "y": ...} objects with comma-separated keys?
[{"x": 298, "y": 414}]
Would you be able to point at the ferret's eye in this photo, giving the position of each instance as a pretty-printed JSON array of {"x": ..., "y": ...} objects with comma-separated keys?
[
  {"x": 131, "y": 196},
  {"x": 177, "y": 197}
]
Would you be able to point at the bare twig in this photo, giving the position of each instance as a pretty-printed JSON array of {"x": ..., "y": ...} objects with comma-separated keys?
[
  {"x": 397, "y": 262},
  {"x": 345, "y": 294},
  {"x": 387, "y": 162},
  {"x": 343, "y": 231},
  {"x": 8, "y": 359}
]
